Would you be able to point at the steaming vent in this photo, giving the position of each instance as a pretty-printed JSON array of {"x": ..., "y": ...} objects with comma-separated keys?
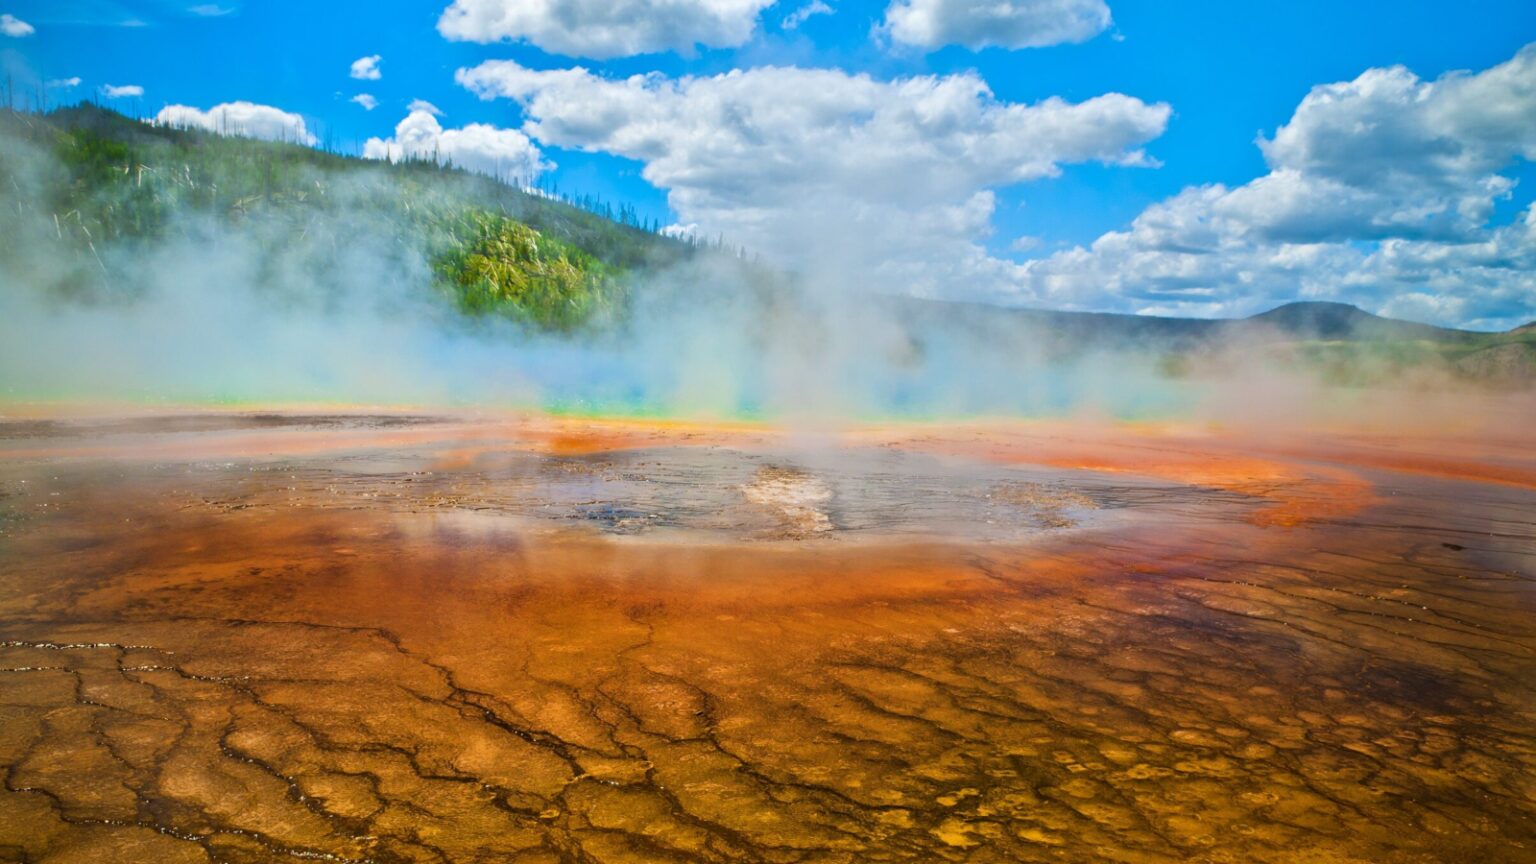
[{"x": 797, "y": 498}]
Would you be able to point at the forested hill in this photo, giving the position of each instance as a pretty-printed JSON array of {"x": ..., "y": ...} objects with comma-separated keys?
[{"x": 83, "y": 180}]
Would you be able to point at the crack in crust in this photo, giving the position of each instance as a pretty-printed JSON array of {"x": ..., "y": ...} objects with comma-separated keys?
[{"x": 270, "y": 683}]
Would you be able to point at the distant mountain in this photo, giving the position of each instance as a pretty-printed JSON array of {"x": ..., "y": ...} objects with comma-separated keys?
[
  {"x": 1293, "y": 322},
  {"x": 1324, "y": 320},
  {"x": 1342, "y": 343}
]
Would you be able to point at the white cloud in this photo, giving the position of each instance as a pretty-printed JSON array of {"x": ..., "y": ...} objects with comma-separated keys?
[
  {"x": 603, "y": 29},
  {"x": 367, "y": 101},
  {"x": 367, "y": 68},
  {"x": 819, "y": 168},
  {"x": 112, "y": 91},
  {"x": 793, "y": 20},
  {"x": 1007, "y": 23},
  {"x": 505, "y": 154},
  {"x": 239, "y": 118},
  {"x": 211, "y": 10},
  {"x": 1400, "y": 156},
  {"x": 12, "y": 26},
  {"x": 424, "y": 105},
  {"x": 689, "y": 232},
  {"x": 1380, "y": 193},
  {"x": 1380, "y": 190},
  {"x": 65, "y": 83}
]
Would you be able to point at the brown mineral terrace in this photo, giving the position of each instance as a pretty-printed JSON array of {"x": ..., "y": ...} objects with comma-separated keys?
[{"x": 401, "y": 637}]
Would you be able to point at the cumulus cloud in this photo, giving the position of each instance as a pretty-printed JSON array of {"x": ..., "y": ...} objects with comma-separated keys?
[
  {"x": 366, "y": 100},
  {"x": 603, "y": 29},
  {"x": 239, "y": 118},
  {"x": 65, "y": 82},
  {"x": 367, "y": 68},
  {"x": 14, "y": 27},
  {"x": 978, "y": 24},
  {"x": 1404, "y": 157},
  {"x": 114, "y": 91},
  {"x": 820, "y": 168},
  {"x": 681, "y": 232},
  {"x": 424, "y": 105},
  {"x": 1380, "y": 193},
  {"x": 793, "y": 20},
  {"x": 505, "y": 154}
]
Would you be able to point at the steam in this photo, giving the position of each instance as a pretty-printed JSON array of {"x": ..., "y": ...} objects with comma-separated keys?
[{"x": 342, "y": 309}]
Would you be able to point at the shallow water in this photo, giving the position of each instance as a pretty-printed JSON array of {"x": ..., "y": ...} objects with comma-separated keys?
[{"x": 418, "y": 639}]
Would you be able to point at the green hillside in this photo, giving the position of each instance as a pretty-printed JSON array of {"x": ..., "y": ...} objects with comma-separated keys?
[
  {"x": 82, "y": 180},
  {"x": 1503, "y": 359}
]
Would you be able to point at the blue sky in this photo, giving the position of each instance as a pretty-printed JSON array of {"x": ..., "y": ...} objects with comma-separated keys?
[{"x": 1225, "y": 73}]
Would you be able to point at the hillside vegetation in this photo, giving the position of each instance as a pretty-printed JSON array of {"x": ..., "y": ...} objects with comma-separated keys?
[{"x": 85, "y": 180}]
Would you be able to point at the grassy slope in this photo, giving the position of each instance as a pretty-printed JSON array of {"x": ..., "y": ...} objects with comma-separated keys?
[
  {"x": 495, "y": 249},
  {"x": 1506, "y": 359}
]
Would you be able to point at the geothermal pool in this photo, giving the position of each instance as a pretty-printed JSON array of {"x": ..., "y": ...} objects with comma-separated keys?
[{"x": 399, "y": 638}]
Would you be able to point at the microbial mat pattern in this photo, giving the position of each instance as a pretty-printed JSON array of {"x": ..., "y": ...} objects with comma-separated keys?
[{"x": 393, "y": 639}]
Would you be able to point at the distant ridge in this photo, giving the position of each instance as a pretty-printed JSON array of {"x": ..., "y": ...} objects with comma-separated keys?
[
  {"x": 1328, "y": 320},
  {"x": 1304, "y": 321},
  {"x": 1340, "y": 343}
]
